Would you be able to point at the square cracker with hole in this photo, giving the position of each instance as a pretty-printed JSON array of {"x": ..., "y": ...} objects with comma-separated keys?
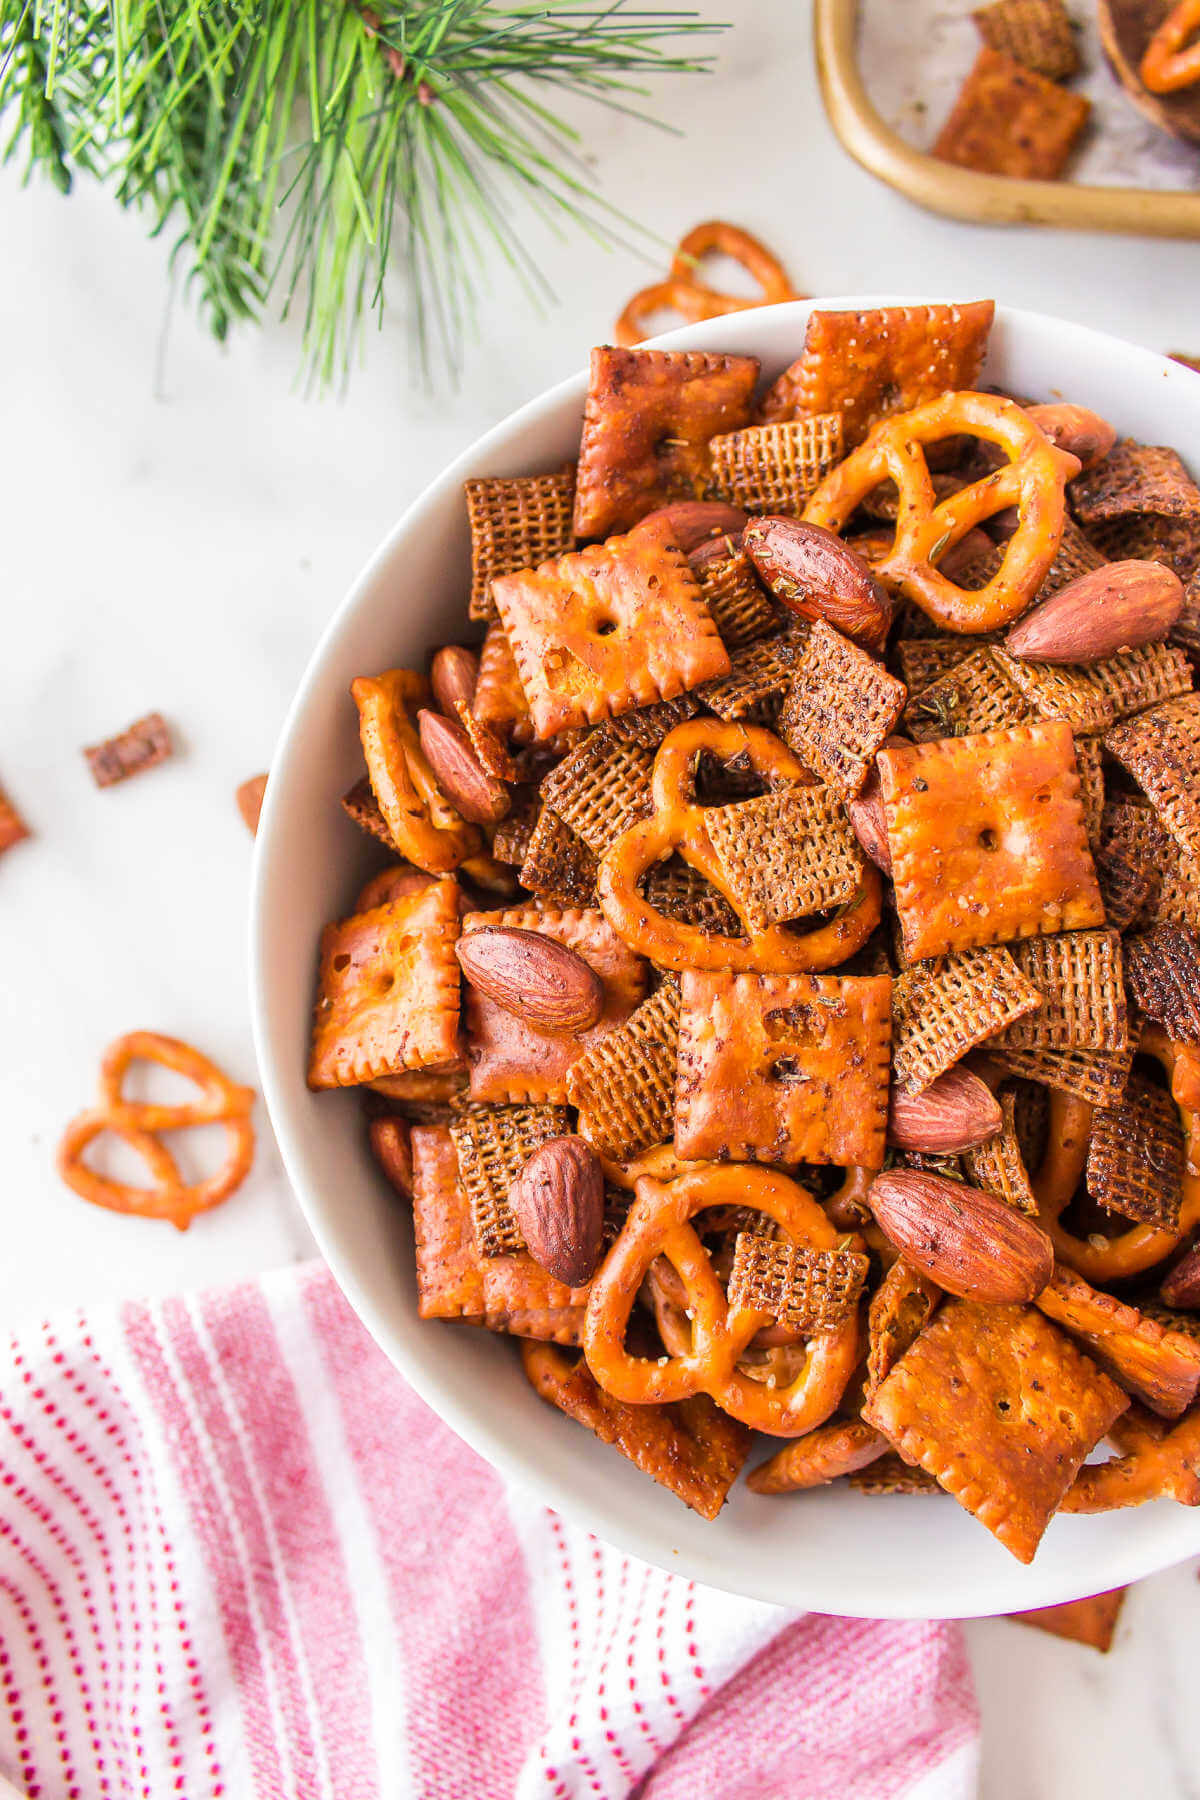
[
  {"x": 510, "y": 1059},
  {"x": 387, "y": 990},
  {"x": 783, "y": 1068},
  {"x": 647, "y": 423},
  {"x": 1001, "y": 1409},
  {"x": 606, "y": 629},
  {"x": 867, "y": 365},
  {"x": 988, "y": 839}
]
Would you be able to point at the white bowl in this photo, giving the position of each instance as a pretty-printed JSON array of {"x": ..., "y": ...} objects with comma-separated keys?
[{"x": 829, "y": 1551}]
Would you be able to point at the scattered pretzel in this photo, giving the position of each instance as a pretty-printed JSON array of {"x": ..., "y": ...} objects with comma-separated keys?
[
  {"x": 659, "y": 1225},
  {"x": 691, "y": 299},
  {"x": 220, "y": 1102},
  {"x": 678, "y": 824},
  {"x": 1033, "y": 479},
  {"x": 1170, "y": 62},
  {"x": 1057, "y": 1180}
]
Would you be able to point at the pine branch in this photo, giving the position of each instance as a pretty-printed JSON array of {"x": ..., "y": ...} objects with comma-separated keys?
[{"x": 283, "y": 142}]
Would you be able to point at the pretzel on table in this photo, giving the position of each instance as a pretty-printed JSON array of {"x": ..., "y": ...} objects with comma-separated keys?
[{"x": 220, "y": 1102}]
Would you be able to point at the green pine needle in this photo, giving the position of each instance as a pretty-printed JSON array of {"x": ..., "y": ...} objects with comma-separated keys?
[{"x": 282, "y": 142}]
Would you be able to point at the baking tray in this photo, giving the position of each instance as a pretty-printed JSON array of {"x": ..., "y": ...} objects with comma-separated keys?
[{"x": 962, "y": 193}]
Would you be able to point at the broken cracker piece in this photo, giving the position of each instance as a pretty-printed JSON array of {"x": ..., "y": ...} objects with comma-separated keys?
[
  {"x": 141, "y": 746},
  {"x": 690, "y": 1447}
]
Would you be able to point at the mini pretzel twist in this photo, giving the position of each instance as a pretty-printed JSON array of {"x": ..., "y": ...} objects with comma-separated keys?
[
  {"x": 677, "y": 824},
  {"x": 1062, "y": 1167},
  {"x": 1033, "y": 480},
  {"x": 659, "y": 1225},
  {"x": 1170, "y": 62},
  {"x": 425, "y": 828},
  {"x": 220, "y": 1102},
  {"x": 1156, "y": 1461},
  {"x": 692, "y": 299}
]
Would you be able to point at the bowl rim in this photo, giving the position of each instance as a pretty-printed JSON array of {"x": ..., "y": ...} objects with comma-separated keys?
[{"x": 475, "y": 1426}]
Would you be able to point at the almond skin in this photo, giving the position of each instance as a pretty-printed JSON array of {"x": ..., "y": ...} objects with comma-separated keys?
[
  {"x": 1113, "y": 608},
  {"x": 869, "y": 819},
  {"x": 969, "y": 1242},
  {"x": 453, "y": 674},
  {"x": 812, "y": 572},
  {"x": 459, "y": 773},
  {"x": 538, "y": 980},
  {"x": 1077, "y": 429},
  {"x": 692, "y": 522},
  {"x": 1181, "y": 1287},
  {"x": 955, "y": 1113},
  {"x": 558, "y": 1202}
]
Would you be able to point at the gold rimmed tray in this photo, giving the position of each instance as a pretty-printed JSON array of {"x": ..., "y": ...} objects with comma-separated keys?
[{"x": 962, "y": 193}]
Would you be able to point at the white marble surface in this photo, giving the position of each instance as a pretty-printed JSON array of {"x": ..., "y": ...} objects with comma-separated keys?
[{"x": 179, "y": 522}]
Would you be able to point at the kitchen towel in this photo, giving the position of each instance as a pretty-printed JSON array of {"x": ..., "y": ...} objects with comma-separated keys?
[{"x": 240, "y": 1558}]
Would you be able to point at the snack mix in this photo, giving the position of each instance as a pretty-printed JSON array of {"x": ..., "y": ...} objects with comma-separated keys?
[{"x": 781, "y": 1010}]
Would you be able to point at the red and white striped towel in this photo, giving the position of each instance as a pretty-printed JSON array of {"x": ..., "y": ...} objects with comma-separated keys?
[{"x": 239, "y": 1557}]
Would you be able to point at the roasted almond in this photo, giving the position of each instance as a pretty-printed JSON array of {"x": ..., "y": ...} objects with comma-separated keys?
[
  {"x": 392, "y": 1146},
  {"x": 558, "y": 1202},
  {"x": 692, "y": 522},
  {"x": 713, "y": 550},
  {"x": 1076, "y": 429},
  {"x": 458, "y": 771},
  {"x": 1113, "y": 608},
  {"x": 453, "y": 674},
  {"x": 868, "y": 818},
  {"x": 533, "y": 977},
  {"x": 1181, "y": 1287},
  {"x": 970, "y": 1242},
  {"x": 813, "y": 573},
  {"x": 956, "y": 1112}
]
